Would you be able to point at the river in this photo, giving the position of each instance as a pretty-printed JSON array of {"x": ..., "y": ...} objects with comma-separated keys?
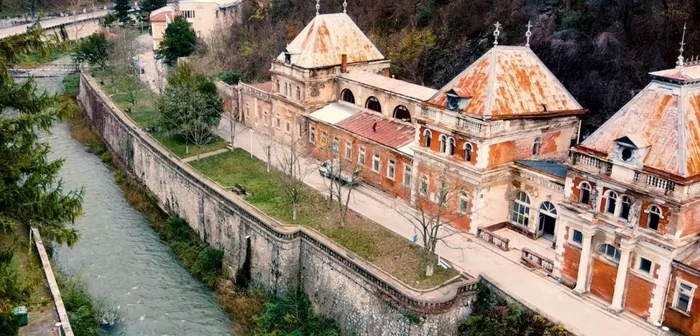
[{"x": 122, "y": 259}]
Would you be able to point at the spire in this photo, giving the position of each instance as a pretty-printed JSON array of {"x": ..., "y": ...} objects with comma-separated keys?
[
  {"x": 345, "y": 6},
  {"x": 680, "y": 56},
  {"x": 528, "y": 33},
  {"x": 318, "y": 6},
  {"x": 496, "y": 33}
]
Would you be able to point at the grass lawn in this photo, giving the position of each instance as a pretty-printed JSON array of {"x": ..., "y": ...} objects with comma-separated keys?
[
  {"x": 367, "y": 239},
  {"x": 143, "y": 112}
]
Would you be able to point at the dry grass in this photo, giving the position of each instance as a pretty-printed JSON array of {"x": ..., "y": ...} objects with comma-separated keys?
[{"x": 367, "y": 239}]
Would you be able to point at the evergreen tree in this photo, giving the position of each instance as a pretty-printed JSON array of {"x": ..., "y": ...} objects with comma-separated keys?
[
  {"x": 180, "y": 40},
  {"x": 94, "y": 50},
  {"x": 122, "y": 7},
  {"x": 148, "y": 6}
]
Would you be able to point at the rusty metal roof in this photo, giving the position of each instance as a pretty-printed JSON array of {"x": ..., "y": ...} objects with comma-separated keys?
[
  {"x": 667, "y": 116},
  {"x": 509, "y": 82},
  {"x": 265, "y": 87},
  {"x": 389, "y": 132},
  {"x": 410, "y": 90},
  {"x": 322, "y": 42},
  {"x": 690, "y": 257},
  {"x": 686, "y": 73}
]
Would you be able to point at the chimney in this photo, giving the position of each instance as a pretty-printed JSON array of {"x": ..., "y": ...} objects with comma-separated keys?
[
  {"x": 387, "y": 73},
  {"x": 344, "y": 63}
]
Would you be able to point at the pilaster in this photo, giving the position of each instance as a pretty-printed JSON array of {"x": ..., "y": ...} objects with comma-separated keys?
[
  {"x": 626, "y": 247},
  {"x": 584, "y": 263}
]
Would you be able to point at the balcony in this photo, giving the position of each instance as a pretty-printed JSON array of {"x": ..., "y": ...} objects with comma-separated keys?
[{"x": 470, "y": 126}]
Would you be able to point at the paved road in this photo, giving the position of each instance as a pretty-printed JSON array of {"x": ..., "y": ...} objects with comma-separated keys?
[
  {"x": 9, "y": 31},
  {"x": 465, "y": 252}
]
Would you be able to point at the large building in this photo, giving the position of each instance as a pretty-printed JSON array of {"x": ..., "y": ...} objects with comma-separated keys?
[
  {"x": 206, "y": 16},
  {"x": 613, "y": 217}
]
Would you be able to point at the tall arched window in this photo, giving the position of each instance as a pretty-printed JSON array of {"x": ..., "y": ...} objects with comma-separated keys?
[
  {"x": 468, "y": 149},
  {"x": 584, "y": 193},
  {"x": 536, "y": 146},
  {"x": 609, "y": 252},
  {"x": 402, "y": 113},
  {"x": 346, "y": 95},
  {"x": 521, "y": 209},
  {"x": 611, "y": 202},
  {"x": 443, "y": 143},
  {"x": 373, "y": 104},
  {"x": 626, "y": 207},
  {"x": 278, "y": 86},
  {"x": 654, "y": 217},
  {"x": 451, "y": 146},
  {"x": 428, "y": 135}
]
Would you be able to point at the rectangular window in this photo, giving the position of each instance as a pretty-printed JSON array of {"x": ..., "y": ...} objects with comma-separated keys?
[
  {"x": 577, "y": 237},
  {"x": 684, "y": 296},
  {"x": 188, "y": 14},
  {"x": 463, "y": 203},
  {"x": 336, "y": 145},
  {"x": 324, "y": 138},
  {"x": 247, "y": 110},
  {"x": 277, "y": 122},
  {"x": 424, "y": 185},
  {"x": 348, "y": 150},
  {"x": 391, "y": 170},
  {"x": 312, "y": 135},
  {"x": 407, "y": 175},
  {"x": 645, "y": 265},
  {"x": 361, "y": 157},
  {"x": 288, "y": 127},
  {"x": 375, "y": 163}
]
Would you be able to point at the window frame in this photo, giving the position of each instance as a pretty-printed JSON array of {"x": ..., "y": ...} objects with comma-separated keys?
[
  {"x": 362, "y": 156},
  {"x": 536, "y": 146},
  {"x": 611, "y": 195},
  {"x": 522, "y": 205},
  {"x": 574, "y": 233},
  {"x": 298, "y": 93},
  {"x": 468, "y": 152},
  {"x": 312, "y": 134},
  {"x": 463, "y": 206},
  {"x": 650, "y": 211},
  {"x": 451, "y": 144},
  {"x": 391, "y": 169},
  {"x": 348, "y": 150},
  {"x": 640, "y": 260},
  {"x": 690, "y": 293},
  {"x": 615, "y": 257},
  {"x": 376, "y": 161},
  {"x": 588, "y": 189},
  {"x": 407, "y": 175},
  {"x": 424, "y": 185},
  {"x": 335, "y": 145},
  {"x": 443, "y": 143},
  {"x": 629, "y": 203},
  {"x": 428, "y": 137}
]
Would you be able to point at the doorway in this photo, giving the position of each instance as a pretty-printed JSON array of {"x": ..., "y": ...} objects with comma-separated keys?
[{"x": 547, "y": 221}]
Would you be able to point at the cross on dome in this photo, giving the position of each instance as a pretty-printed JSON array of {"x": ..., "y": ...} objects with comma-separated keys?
[
  {"x": 680, "y": 57},
  {"x": 528, "y": 33},
  {"x": 345, "y": 6},
  {"x": 496, "y": 33},
  {"x": 318, "y": 6}
]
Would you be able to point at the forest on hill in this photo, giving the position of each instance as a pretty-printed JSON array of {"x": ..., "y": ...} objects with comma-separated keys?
[{"x": 601, "y": 50}]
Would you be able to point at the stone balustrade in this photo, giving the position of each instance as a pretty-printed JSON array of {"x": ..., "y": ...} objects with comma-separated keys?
[
  {"x": 532, "y": 259},
  {"x": 493, "y": 239}
]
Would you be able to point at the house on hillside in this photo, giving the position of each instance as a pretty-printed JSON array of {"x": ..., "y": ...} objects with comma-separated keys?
[
  {"x": 206, "y": 16},
  {"x": 497, "y": 150}
]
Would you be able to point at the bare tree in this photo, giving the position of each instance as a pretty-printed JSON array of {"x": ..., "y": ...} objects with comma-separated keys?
[
  {"x": 434, "y": 210},
  {"x": 291, "y": 158},
  {"x": 343, "y": 174},
  {"x": 124, "y": 61}
]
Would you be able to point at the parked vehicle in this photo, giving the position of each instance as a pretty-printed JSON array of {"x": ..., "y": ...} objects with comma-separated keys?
[{"x": 332, "y": 169}]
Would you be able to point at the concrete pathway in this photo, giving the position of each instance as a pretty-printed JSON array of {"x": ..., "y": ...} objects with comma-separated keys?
[
  {"x": 207, "y": 154},
  {"x": 467, "y": 253}
]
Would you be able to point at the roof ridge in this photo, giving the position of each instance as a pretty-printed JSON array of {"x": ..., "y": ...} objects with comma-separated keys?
[
  {"x": 682, "y": 155},
  {"x": 552, "y": 76},
  {"x": 451, "y": 83},
  {"x": 490, "y": 86}
]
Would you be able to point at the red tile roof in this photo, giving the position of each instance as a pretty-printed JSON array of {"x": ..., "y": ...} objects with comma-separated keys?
[
  {"x": 389, "y": 132},
  {"x": 667, "y": 116},
  {"x": 163, "y": 14},
  {"x": 509, "y": 82},
  {"x": 266, "y": 87}
]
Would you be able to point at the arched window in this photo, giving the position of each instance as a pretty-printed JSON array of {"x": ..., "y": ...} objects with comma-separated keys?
[
  {"x": 584, "y": 193},
  {"x": 346, "y": 95},
  {"x": 428, "y": 135},
  {"x": 463, "y": 202},
  {"x": 547, "y": 220},
  {"x": 549, "y": 209},
  {"x": 609, "y": 252},
  {"x": 468, "y": 149},
  {"x": 401, "y": 113},
  {"x": 373, "y": 104},
  {"x": 654, "y": 217},
  {"x": 521, "y": 209},
  {"x": 536, "y": 146},
  {"x": 443, "y": 143},
  {"x": 626, "y": 207},
  {"x": 451, "y": 146},
  {"x": 278, "y": 86},
  {"x": 611, "y": 202}
]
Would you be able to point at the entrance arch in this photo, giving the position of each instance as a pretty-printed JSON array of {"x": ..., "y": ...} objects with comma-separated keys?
[{"x": 547, "y": 221}]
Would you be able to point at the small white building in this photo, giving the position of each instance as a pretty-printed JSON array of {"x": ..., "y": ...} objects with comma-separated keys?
[{"x": 204, "y": 15}]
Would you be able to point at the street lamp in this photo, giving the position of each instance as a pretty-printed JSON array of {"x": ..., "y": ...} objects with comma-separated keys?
[{"x": 251, "y": 142}]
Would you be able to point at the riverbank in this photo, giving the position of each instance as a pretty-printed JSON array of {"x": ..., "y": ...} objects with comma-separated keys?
[{"x": 200, "y": 260}]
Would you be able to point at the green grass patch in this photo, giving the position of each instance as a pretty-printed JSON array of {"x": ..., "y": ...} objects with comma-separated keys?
[
  {"x": 367, "y": 239},
  {"x": 71, "y": 84},
  {"x": 144, "y": 113}
]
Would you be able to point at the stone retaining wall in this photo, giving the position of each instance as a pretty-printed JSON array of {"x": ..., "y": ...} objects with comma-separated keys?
[{"x": 364, "y": 299}]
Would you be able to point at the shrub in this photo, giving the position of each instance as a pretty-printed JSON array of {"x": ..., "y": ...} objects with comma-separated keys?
[
  {"x": 230, "y": 78},
  {"x": 292, "y": 314},
  {"x": 81, "y": 312},
  {"x": 8, "y": 324},
  {"x": 205, "y": 263},
  {"x": 70, "y": 84}
]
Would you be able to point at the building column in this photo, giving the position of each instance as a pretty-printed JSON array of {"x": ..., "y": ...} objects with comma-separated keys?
[
  {"x": 584, "y": 263},
  {"x": 658, "y": 301},
  {"x": 621, "y": 278}
]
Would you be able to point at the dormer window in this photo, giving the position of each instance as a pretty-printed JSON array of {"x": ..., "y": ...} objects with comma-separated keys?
[
  {"x": 287, "y": 57},
  {"x": 628, "y": 148},
  {"x": 456, "y": 101}
]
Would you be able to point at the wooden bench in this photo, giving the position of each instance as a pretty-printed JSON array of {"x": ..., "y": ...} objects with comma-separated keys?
[{"x": 239, "y": 190}]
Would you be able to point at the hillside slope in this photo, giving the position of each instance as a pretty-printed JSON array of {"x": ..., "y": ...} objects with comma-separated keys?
[{"x": 600, "y": 49}]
